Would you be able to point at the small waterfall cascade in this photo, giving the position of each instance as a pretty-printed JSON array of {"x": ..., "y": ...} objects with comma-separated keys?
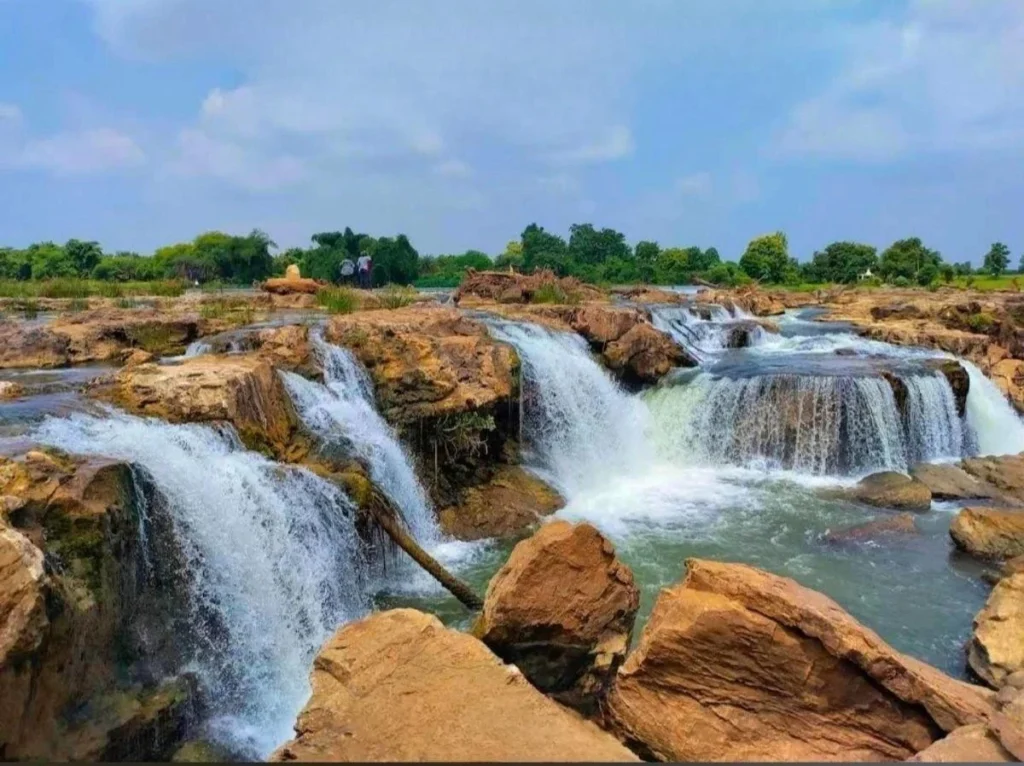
[
  {"x": 197, "y": 348},
  {"x": 997, "y": 428},
  {"x": 342, "y": 412},
  {"x": 580, "y": 428},
  {"x": 709, "y": 329},
  {"x": 814, "y": 424},
  {"x": 270, "y": 555}
]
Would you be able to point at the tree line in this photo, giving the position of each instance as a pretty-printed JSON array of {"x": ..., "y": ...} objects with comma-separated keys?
[{"x": 600, "y": 256}]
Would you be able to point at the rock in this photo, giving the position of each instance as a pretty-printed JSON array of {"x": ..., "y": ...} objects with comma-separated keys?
[
  {"x": 1005, "y": 472},
  {"x": 1008, "y": 375},
  {"x": 951, "y": 482},
  {"x": 902, "y": 523},
  {"x": 568, "y": 641},
  {"x": 896, "y": 311},
  {"x": 1013, "y": 566},
  {"x": 22, "y": 596},
  {"x": 974, "y": 743},
  {"x": 10, "y": 390},
  {"x": 137, "y": 357},
  {"x": 243, "y": 390},
  {"x": 989, "y": 532},
  {"x": 484, "y": 286},
  {"x": 889, "y": 489},
  {"x": 399, "y": 686},
  {"x": 513, "y": 500},
  {"x": 739, "y": 664},
  {"x": 286, "y": 286},
  {"x": 601, "y": 325},
  {"x": 292, "y": 272},
  {"x": 959, "y": 382},
  {"x": 287, "y": 348},
  {"x": 996, "y": 648},
  {"x": 645, "y": 355}
]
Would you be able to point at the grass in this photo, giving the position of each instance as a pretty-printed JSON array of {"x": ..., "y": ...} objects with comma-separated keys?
[
  {"x": 154, "y": 338},
  {"x": 87, "y": 288},
  {"x": 395, "y": 296},
  {"x": 338, "y": 300},
  {"x": 553, "y": 293}
]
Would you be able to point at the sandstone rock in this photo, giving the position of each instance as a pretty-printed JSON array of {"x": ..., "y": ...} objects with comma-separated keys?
[
  {"x": 399, "y": 686},
  {"x": 241, "y": 389},
  {"x": 645, "y": 355},
  {"x": 901, "y": 524},
  {"x": 287, "y": 348},
  {"x": 739, "y": 664},
  {"x": 292, "y": 272},
  {"x": 989, "y": 532},
  {"x": 137, "y": 357},
  {"x": 23, "y": 618},
  {"x": 959, "y": 382},
  {"x": 951, "y": 482},
  {"x": 286, "y": 286},
  {"x": 510, "y": 502},
  {"x": 10, "y": 390},
  {"x": 569, "y": 641},
  {"x": 478, "y": 286},
  {"x": 1005, "y": 472},
  {"x": 1008, "y": 375},
  {"x": 974, "y": 743},
  {"x": 996, "y": 648},
  {"x": 601, "y": 325},
  {"x": 889, "y": 489}
]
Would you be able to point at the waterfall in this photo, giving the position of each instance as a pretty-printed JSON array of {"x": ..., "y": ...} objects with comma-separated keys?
[
  {"x": 270, "y": 556},
  {"x": 934, "y": 429},
  {"x": 997, "y": 428},
  {"x": 581, "y": 429},
  {"x": 342, "y": 412},
  {"x": 817, "y": 424},
  {"x": 706, "y": 336},
  {"x": 197, "y": 348}
]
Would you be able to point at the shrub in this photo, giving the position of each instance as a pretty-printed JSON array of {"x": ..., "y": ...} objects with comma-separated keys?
[
  {"x": 78, "y": 304},
  {"x": 396, "y": 296},
  {"x": 981, "y": 322},
  {"x": 338, "y": 300},
  {"x": 552, "y": 292},
  {"x": 901, "y": 282}
]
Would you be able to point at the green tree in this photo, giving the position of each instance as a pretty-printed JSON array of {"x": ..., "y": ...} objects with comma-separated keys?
[
  {"x": 767, "y": 259},
  {"x": 543, "y": 250},
  {"x": 49, "y": 261},
  {"x": 948, "y": 272},
  {"x": 928, "y": 274},
  {"x": 395, "y": 260},
  {"x": 905, "y": 258},
  {"x": 672, "y": 266},
  {"x": 646, "y": 256},
  {"x": 590, "y": 247},
  {"x": 513, "y": 256},
  {"x": 997, "y": 259},
  {"x": 83, "y": 255},
  {"x": 842, "y": 262}
]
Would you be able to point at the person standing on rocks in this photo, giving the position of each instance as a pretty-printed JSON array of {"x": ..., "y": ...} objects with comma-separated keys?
[
  {"x": 365, "y": 264},
  {"x": 348, "y": 271}
]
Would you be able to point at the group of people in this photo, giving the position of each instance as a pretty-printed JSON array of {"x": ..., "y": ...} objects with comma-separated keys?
[{"x": 358, "y": 272}]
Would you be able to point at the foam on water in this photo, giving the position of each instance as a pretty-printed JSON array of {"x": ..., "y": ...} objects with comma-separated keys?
[
  {"x": 997, "y": 428},
  {"x": 271, "y": 558}
]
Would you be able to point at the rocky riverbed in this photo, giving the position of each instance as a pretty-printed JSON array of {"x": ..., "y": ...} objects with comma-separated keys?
[{"x": 205, "y": 540}]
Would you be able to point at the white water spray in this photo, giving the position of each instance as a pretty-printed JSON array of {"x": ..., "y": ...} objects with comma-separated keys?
[
  {"x": 343, "y": 412},
  {"x": 271, "y": 558},
  {"x": 998, "y": 430}
]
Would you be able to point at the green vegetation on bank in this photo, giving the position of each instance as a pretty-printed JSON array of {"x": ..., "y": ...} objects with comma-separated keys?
[{"x": 80, "y": 269}]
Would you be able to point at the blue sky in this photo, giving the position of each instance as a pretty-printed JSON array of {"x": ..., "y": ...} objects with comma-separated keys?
[{"x": 143, "y": 122}]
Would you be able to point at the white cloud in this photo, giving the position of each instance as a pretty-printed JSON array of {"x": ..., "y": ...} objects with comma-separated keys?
[
  {"x": 453, "y": 169},
  {"x": 10, "y": 114},
  {"x": 615, "y": 144},
  {"x": 201, "y": 155},
  {"x": 694, "y": 185},
  {"x": 80, "y": 152},
  {"x": 946, "y": 76},
  {"x": 559, "y": 184}
]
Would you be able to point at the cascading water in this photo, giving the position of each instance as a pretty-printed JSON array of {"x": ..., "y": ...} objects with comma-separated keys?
[
  {"x": 998, "y": 430},
  {"x": 580, "y": 427},
  {"x": 934, "y": 429},
  {"x": 709, "y": 330},
  {"x": 811, "y": 424},
  {"x": 343, "y": 412},
  {"x": 270, "y": 556},
  {"x": 197, "y": 348}
]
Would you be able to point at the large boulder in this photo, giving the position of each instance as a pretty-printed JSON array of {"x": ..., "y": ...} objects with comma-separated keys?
[
  {"x": 889, "y": 489},
  {"x": 511, "y": 501},
  {"x": 989, "y": 532},
  {"x": 968, "y": 744},
  {"x": 951, "y": 482},
  {"x": 243, "y": 390},
  {"x": 739, "y": 664},
  {"x": 399, "y": 686},
  {"x": 898, "y": 524},
  {"x": 568, "y": 640},
  {"x": 10, "y": 390},
  {"x": 69, "y": 628},
  {"x": 291, "y": 286},
  {"x": 1004, "y": 472},
  {"x": 996, "y": 649},
  {"x": 644, "y": 355}
]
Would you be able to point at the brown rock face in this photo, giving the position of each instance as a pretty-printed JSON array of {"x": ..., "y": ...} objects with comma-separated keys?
[
  {"x": 889, "y": 489},
  {"x": 508, "y": 287},
  {"x": 568, "y": 640},
  {"x": 287, "y": 286},
  {"x": 951, "y": 482},
  {"x": 513, "y": 500},
  {"x": 996, "y": 649},
  {"x": 974, "y": 743},
  {"x": 1006, "y": 472},
  {"x": 644, "y": 355},
  {"x": 739, "y": 664},
  {"x": 10, "y": 390},
  {"x": 399, "y": 686},
  {"x": 989, "y": 532},
  {"x": 243, "y": 390}
]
